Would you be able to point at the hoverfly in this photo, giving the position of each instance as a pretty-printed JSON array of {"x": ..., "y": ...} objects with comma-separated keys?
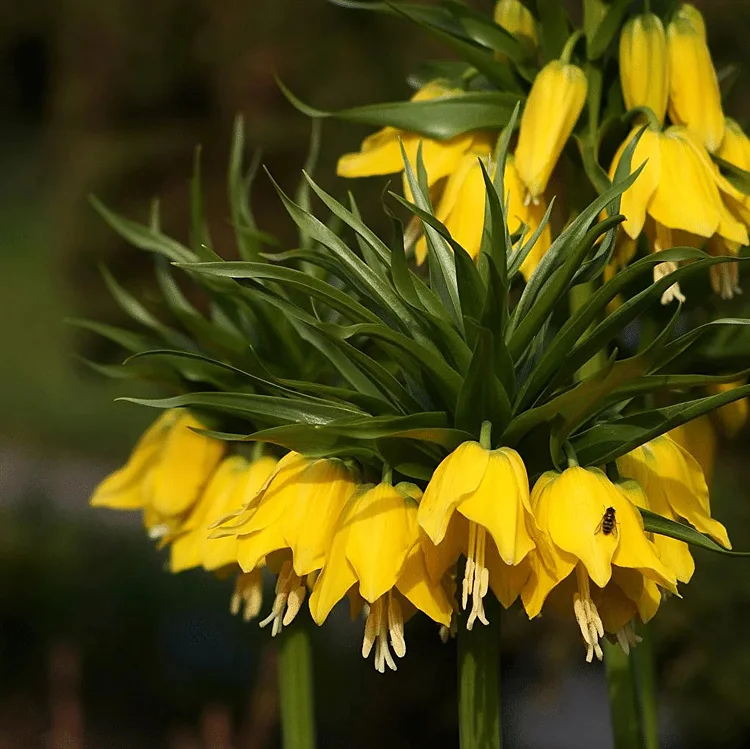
[{"x": 608, "y": 522}]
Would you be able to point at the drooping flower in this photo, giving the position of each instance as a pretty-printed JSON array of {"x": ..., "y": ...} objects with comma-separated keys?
[
  {"x": 698, "y": 437},
  {"x": 644, "y": 73},
  {"x": 675, "y": 487},
  {"x": 592, "y": 536},
  {"x": 289, "y": 525},
  {"x": 234, "y": 484},
  {"x": 694, "y": 96},
  {"x": 376, "y": 554},
  {"x": 477, "y": 503},
  {"x": 380, "y": 152},
  {"x": 517, "y": 19},
  {"x": 552, "y": 109},
  {"x": 678, "y": 191},
  {"x": 165, "y": 473}
]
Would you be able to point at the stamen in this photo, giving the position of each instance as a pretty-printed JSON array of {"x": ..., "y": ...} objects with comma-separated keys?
[
  {"x": 290, "y": 594},
  {"x": 384, "y": 629},
  {"x": 587, "y": 616},
  {"x": 247, "y": 589},
  {"x": 725, "y": 280},
  {"x": 673, "y": 292},
  {"x": 155, "y": 532},
  {"x": 627, "y": 638},
  {"x": 476, "y": 580},
  {"x": 446, "y": 633}
]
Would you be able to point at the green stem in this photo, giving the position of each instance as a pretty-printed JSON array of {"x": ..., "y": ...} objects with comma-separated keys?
[
  {"x": 645, "y": 679},
  {"x": 296, "y": 689},
  {"x": 479, "y": 682},
  {"x": 623, "y": 703}
]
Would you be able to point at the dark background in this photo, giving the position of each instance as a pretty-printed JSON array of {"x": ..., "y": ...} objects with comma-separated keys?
[{"x": 99, "y": 645}]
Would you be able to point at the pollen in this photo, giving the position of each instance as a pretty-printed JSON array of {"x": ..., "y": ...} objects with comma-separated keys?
[
  {"x": 627, "y": 638},
  {"x": 248, "y": 595},
  {"x": 477, "y": 577},
  {"x": 384, "y": 629},
  {"x": 587, "y": 616},
  {"x": 290, "y": 595}
]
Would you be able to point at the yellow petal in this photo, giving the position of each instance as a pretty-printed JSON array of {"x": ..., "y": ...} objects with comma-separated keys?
[
  {"x": 186, "y": 462},
  {"x": 310, "y": 521},
  {"x": 457, "y": 476},
  {"x": 698, "y": 437},
  {"x": 428, "y": 596},
  {"x": 615, "y": 608},
  {"x": 501, "y": 505},
  {"x": 686, "y": 197},
  {"x": 694, "y": 96},
  {"x": 439, "y": 559},
  {"x": 644, "y": 73},
  {"x": 644, "y": 593},
  {"x": 123, "y": 489},
  {"x": 676, "y": 556},
  {"x": 382, "y": 531},
  {"x": 516, "y": 19},
  {"x": 543, "y": 579},
  {"x": 577, "y": 501},
  {"x": 735, "y": 148},
  {"x": 636, "y": 199},
  {"x": 506, "y": 581},
  {"x": 552, "y": 108}
]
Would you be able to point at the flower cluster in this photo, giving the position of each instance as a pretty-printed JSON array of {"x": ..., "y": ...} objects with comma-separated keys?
[{"x": 575, "y": 543}]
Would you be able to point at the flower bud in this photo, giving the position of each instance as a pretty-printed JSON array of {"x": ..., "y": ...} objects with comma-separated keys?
[
  {"x": 694, "y": 97},
  {"x": 553, "y": 106},
  {"x": 644, "y": 73},
  {"x": 516, "y": 19}
]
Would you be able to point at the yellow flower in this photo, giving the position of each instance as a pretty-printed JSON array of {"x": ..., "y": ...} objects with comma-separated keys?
[
  {"x": 165, "y": 474},
  {"x": 461, "y": 204},
  {"x": 461, "y": 208},
  {"x": 698, "y": 437},
  {"x": 589, "y": 532},
  {"x": 234, "y": 484},
  {"x": 675, "y": 487},
  {"x": 552, "y": 108},
  {"x": 644, "y": 73},
  {"x": 295, "y": 513},
  {"x": 733, "y": 416},
  {"x": 376, "y": 548},
  {"x": 516, "y": 19},
  {"x": 735, "y": 148},
  {"x": 490, "y": 490},
  {"x": 694, "y": 96},
  {"x": 679, "y": 189},
  {"x": 381, "y": 153}
]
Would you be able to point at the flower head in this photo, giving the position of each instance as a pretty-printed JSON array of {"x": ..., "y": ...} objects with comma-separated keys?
[
  {"x": 644, "y": 73},
  {"x": 694, "y": 96},
  {"x": 552, "y": 109},
  {"x": 477, "y": 503},
  {"x": 165, "y": 474},
  {"x": 673, "y": 486},
  {"x": 588, "y": 528},
  {"x": 376, "y": 554}
]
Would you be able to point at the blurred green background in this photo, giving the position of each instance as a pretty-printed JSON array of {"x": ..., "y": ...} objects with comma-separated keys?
[{"x": 99, "y": 646}]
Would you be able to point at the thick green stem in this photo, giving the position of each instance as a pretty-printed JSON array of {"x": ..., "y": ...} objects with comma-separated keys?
[
  {"x": 645, "y": 679},
  {"x": 296, "y": 689},
  {"x": 479, "y": 682},
  {"x": 623, "y": 703}
]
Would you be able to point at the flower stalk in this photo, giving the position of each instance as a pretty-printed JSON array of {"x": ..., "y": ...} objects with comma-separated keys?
[
  {"x": 296, "y": 689},
  {"x": 625, "y": 717},
  {"x": 479, "y": 683}
]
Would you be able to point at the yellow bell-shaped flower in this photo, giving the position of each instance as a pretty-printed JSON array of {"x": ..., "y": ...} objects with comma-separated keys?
[
  {"x": 490, "y": 490},
  {"x": 516, "y": 19},
  {"x": 234, "y": 484},
  {"x": 694, "y": 96},
  {"x": 644, "y": 73},
  {"x": 698, "y": 437},
  {"x": 380, "y": 152},
  {"x": 165, "y": 474},
  {"x": 675, "y": 487},
  {"x": 735, "y": 148},
  {"x": 376, "y": 554},
  {"x": 589, "y": 528},
  {"x": 552, "y": 109}
]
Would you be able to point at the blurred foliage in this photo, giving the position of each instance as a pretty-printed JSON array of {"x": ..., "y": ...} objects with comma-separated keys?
[{"x": 111, "y": 98}]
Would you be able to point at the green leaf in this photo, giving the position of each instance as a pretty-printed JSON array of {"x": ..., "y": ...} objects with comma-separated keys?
[
  {"x": 199, "y": 236},
  {"x": 482, "y": 397},
  {"x": 303, "y": 191},
  {"x": 238, "y": 188},
  {"x": 553, "y": 26},
  {"x": 739, "y": 178},
  {"x": 251, "y": 406},
  {"x": 654, "y": 523},
  {"x": 143, "y": 237},
  {"x": 126, "y": 338},
  {"x": 441, "y": 118},
  {"x": 607, "y": 30}
]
